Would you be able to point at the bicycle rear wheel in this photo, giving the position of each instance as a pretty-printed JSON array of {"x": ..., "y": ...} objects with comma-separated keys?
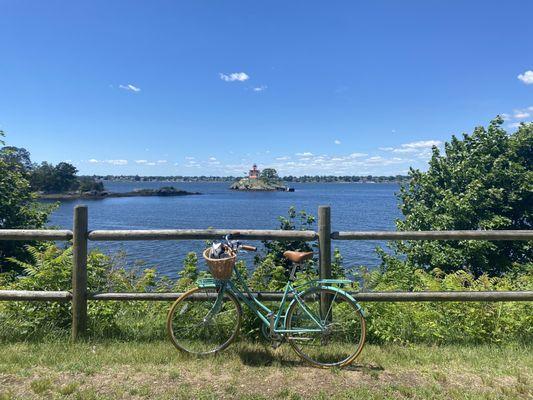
[
  {"x": 202, "y": 322},
  {"x": 343, "y": 336}
]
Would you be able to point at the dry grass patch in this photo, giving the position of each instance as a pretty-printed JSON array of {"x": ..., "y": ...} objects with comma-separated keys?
[{"x": 154, "y": 370}]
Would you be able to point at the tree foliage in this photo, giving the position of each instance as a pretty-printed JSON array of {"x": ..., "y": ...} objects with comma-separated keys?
[
  {"x": 269, "y": 174},
  {"x": 271, "y": 268},
  {"x": 88, "y": 184},
  {"x": 18, "y": 206},
  {"x": 483, "y": 181},
  {"x": 16, "y": 156},
  {"x": 51, "y": 178}
]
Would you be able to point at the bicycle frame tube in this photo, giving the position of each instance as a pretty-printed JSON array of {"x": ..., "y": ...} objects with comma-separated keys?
[{"x": 254, "y": 304}]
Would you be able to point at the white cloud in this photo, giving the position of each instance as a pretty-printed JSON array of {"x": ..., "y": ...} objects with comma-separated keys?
[
  {"x": 412, "y": 147},
  {"x": 355, "y": 155},
  {"x": 422, "y": 144},
  {"x": 260, "y": 88},
  {"x": 189, "y": 158},
  {"x": 117, "y": 162},
  {"x": 405, "y": 150},
  {"x": 162, "y": 161},
  {"x": 304, "y": 154},
  {"x": 337, "y": 141},
  {"x": 129, "y": 87},
  {"x": 235, "y": 76},
  {"x": 521, "y": 114},
  {"x": 284, "y": 158},
  {"x": 141, "y": 161},
  {"x": 526, "y": 77},
  {"x": 150, "y": 163},
  {"x": 93, "y": 161}
]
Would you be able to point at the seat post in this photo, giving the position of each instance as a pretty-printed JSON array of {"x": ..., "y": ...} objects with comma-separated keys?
[{"x": 292, "y": 277}]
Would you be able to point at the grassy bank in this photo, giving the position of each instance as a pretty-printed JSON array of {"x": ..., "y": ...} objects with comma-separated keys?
[{"x": 110, "y": 369}]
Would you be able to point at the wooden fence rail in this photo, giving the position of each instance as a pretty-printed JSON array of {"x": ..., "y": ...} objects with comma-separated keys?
[
  {"x": 64, "y": 296},
  {"x": 491, "y": 296},
  {"x": 81, "y": 235},
  {"x": 435, "y": 235},
  {"x": 200, "y": 234}
]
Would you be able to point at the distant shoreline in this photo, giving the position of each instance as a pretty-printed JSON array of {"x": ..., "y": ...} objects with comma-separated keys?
[
  {"x": 180, "y": 179},
  {"x": 107, "y": 195}
]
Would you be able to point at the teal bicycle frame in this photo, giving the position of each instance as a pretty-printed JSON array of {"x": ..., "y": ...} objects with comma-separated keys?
[{"x": 279, "y": 319}]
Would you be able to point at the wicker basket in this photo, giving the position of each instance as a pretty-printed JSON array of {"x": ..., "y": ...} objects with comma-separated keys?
[{"x": 220, "y": 268}]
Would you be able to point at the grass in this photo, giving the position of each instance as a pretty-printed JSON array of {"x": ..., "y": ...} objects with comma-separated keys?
[{"x": 106, "y": 369}]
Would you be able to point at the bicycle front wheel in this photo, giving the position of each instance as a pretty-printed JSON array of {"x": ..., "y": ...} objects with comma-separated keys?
[
  {"x": 342, "y": 336},
  {"x": 204, "y": 321}
]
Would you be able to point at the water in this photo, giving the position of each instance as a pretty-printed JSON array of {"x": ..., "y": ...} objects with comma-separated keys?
[{"x": 353, "y": 207}]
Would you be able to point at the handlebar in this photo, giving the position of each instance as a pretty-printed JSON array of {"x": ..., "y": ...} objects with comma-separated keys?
[
  {"x": 248, "y": 248},
  {"x": 236, "y": 245}
]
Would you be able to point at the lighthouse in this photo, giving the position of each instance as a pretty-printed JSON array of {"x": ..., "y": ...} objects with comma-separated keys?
[{"x": 254, "y": 172}]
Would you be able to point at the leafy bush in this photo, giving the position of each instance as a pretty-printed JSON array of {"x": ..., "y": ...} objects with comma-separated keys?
[
  {"x": 482, "y": 182},
  {"x": 447, "y": 322},
  {"x": 18, "y": 206},
  {"x": 50, "y": 269},
  {"x": 271, "y": 268},
  {"x": 429, "y": 322}
]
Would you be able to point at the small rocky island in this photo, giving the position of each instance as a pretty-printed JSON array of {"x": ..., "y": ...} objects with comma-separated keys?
[
  {"x": 267, "y": 180},
  {"x": 104, "y": 194}
]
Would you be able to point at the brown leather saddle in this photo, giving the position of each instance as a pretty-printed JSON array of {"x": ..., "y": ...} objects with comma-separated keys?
[{"x": 298, "y": 256}]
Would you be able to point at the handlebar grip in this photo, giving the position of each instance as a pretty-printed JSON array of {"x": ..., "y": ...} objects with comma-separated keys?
[{"x": 248, "y": 248}]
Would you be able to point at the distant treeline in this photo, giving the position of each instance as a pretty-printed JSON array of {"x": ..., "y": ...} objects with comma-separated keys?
[
  {"x": 47, "y": 177},
  {"x": 290, "y": 178}
]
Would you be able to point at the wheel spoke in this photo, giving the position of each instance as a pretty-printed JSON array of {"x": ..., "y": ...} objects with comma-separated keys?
[
  {"x": 343, "y": 335},
  {"x": 190, "y": 331}
]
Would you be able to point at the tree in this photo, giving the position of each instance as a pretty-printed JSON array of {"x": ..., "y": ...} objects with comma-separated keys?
[
  {"x": 482, "y": 182},
  {"x": 88, "y": 184},
  {"x": 16, "y": 156},
  {"x": 65, "y": 176},
  {"x": 269, "y": 174},
  {"x": 18, "y": 208},
  {"x": 54, "y": 179}
]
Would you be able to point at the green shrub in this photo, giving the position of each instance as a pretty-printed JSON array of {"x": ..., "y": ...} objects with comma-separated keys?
[
  {"x": 447, "y": 322},
  {"x": 428, "y": 322},
  {"x": 50, "y": 269}
]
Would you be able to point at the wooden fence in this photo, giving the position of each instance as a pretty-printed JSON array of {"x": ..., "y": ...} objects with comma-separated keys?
[{"x": 80, "y": 235}]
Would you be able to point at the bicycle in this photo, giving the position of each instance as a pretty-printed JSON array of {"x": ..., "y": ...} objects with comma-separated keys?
[{"x": 322, "y": 322}]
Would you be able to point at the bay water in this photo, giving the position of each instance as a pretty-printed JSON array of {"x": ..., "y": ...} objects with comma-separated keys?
[{"x": 354, "y": 207}]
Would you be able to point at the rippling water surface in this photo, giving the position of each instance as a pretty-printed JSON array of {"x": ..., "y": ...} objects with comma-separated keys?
[{"x": 353, "y": 207}]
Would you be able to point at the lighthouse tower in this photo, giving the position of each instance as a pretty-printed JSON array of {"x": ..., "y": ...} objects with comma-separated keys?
[{"x": 254, "y": 172}]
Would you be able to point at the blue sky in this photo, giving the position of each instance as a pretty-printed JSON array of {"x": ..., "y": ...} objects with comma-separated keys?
[{"x": 209, "y": 87}]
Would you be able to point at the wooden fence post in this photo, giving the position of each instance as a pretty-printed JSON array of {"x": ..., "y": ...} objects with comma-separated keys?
[
  {"x": 324, "y": 241},
  {"x": 79, "y": 272},
  {"x": 324, "y": 253}
]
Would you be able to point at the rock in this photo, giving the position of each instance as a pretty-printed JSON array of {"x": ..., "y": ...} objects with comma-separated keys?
[{"x": 258, "y": 184}]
